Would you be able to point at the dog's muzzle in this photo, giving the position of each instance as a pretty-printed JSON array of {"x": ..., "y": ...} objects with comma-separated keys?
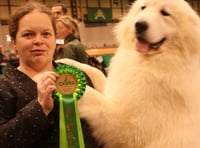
[{"x": 142, "y": 44}]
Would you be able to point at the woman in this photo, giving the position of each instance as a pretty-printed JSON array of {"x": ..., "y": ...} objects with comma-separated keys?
[
  {"x": 67, "y": 29},
  {"x": 28, "y": 113}
]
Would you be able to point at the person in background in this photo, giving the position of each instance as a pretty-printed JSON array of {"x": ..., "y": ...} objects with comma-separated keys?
[
  {"x": 58, "y": 10},
  {"x": 2, "y": 56},
  {"x": 13, "y": 58},
  {"x": 2, "y": 60},
  {"x": 29, "y": 116},
  {"x": 72, "y": 48}
]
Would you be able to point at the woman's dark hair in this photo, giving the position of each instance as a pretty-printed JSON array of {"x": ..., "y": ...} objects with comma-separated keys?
[{"x": 24, "y": 10}]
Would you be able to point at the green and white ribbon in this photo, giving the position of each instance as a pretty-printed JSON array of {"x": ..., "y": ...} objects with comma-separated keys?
[{"x": 71, "y": 86}]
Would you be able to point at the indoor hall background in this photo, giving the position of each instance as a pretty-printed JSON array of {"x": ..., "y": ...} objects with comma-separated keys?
[{"x": 93, "y": 34}]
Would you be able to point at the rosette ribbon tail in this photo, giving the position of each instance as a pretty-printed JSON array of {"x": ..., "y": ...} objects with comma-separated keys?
[{"x": 70, "y": 127}]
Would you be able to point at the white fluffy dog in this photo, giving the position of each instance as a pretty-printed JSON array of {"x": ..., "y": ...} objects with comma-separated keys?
[{"x": 152, "y": 94}]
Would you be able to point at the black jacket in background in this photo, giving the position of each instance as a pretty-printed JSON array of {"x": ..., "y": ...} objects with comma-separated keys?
[{"x": 72, "y": 49}]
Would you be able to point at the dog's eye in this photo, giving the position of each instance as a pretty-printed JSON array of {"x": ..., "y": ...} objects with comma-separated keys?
[
  {"x": 164, "y": 12},
  {"x": 143, "y": 7}
]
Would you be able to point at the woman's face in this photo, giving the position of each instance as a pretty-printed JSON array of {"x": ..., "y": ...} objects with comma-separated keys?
[
  {"x": 63, "y": 31},
  {"x": 35, "y": 39}
]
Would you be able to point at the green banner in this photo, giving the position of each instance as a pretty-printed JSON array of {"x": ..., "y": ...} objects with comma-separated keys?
[{"x": 99, "y": 14}]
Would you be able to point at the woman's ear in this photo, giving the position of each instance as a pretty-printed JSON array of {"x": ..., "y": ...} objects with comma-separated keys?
[{"x": 13, "y": 43}]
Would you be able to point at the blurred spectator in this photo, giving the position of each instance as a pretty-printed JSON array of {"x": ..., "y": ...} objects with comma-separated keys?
[
  {"x": 13, "y": 58},
  {"x": 58, "y": 10},
  {"x": 2, "y": 56},
  {"x": 2, "y": 59},
  {"x": 72, "y": 48}
]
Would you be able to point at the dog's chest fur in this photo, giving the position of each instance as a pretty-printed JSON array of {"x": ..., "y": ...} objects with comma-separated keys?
[{"x": 154, "y": 102}]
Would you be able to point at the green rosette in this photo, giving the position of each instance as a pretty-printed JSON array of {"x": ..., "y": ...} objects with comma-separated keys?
[{"x": 71, "y": 85}]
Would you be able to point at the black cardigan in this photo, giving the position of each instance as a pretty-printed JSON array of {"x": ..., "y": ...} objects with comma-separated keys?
[{"x": 22, "y": 122}]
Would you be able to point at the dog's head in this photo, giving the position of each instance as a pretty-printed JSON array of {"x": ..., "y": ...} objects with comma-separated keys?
[{"x": 155, "y": 26}]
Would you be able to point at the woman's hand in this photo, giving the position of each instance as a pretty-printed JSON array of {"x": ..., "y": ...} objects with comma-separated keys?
[{"x": 45, "y": 86}]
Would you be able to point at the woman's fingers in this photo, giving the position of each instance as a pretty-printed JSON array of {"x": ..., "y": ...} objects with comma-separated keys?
[{"x": 45, "y": 86}]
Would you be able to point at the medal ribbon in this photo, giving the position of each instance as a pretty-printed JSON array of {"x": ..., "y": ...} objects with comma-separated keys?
[{"x": 71, "y": 86}]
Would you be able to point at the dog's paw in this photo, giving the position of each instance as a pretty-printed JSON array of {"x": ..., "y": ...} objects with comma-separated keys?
[{"x": 91, "y": 102}]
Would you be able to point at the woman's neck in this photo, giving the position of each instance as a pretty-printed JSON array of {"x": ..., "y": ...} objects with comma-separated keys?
[{"x": 33, "y": 70}]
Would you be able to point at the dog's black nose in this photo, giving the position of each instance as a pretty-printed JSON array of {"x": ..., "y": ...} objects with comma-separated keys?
[{"x": 141, "y": 27}]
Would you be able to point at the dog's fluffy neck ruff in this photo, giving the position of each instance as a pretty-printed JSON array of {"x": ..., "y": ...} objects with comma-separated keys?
[{"x": 160, "y": 65}]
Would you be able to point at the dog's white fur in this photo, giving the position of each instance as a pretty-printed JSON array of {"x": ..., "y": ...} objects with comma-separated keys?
[{"x": 152, "y": 98}]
